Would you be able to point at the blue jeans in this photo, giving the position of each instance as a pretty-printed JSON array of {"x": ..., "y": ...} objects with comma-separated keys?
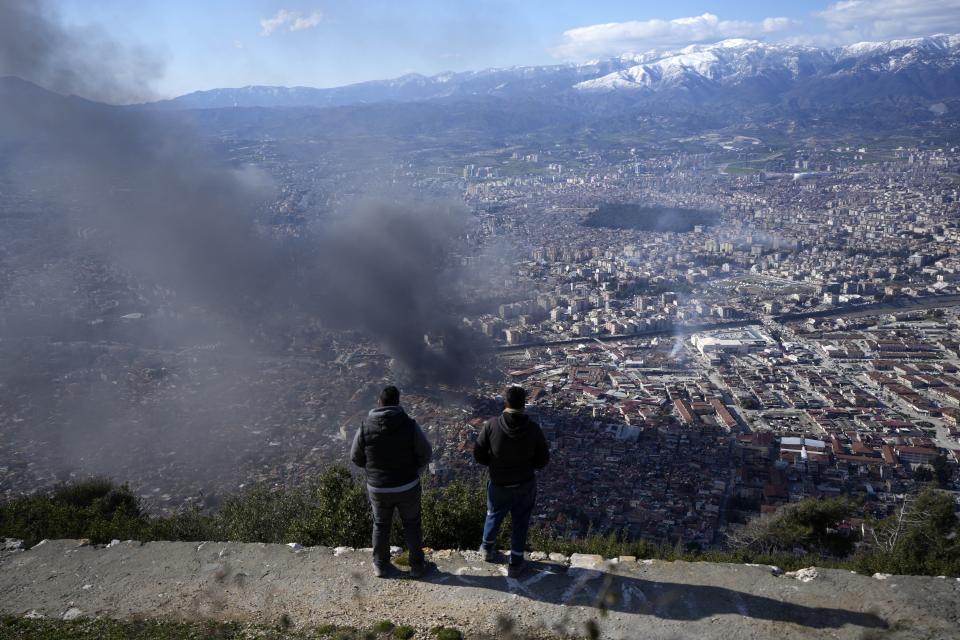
[{"x": 518, "y": 501}]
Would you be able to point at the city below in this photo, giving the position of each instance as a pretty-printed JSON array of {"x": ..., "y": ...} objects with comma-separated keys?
[
  {"x": 451, "y": 320},
  {"x": 705, "y": 335}
]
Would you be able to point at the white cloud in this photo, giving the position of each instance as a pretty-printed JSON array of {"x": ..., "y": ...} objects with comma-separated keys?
[
  {"x": 269, "y": 25},
  {"x": 294, "y": 21},
  {"x": 306, "y": 22},
  {"x": 769, "y": 25},
  {"x": 636, "y": 35},
  {"x": 841, "y": 22},
  {"x": 852, "y": 20}
]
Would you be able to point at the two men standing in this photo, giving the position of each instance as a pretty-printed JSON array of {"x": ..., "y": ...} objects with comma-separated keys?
[{"x": 394, "y": 450}]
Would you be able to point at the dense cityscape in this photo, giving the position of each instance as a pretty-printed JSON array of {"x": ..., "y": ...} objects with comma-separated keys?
[
  {"x": 792, "y": 334},
  {"x": 448, "y": 320},
  {"x": 803, "y": 346}
]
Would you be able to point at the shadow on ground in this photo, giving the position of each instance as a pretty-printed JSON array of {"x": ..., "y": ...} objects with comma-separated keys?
[{"x": 674, "y": 601}]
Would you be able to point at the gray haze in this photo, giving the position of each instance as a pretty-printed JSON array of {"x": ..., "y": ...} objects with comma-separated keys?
[
  {"x": 83, "y": 62},
  {"x": 139, "y": 194},
  {"x": 161, "y": 206}
]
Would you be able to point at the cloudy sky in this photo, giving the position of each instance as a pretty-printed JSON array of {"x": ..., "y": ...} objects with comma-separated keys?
[{"x": 322, "y": 43}]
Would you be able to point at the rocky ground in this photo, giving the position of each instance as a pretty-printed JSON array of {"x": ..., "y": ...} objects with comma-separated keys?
[{"x": 557, "y": 596}]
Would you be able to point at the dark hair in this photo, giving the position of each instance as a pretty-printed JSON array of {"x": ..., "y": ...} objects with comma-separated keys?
[
  {"x": 515, "y": 397},
  {"x": 390, "y": 396}
]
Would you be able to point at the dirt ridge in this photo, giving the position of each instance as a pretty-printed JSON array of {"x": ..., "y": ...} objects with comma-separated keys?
[{"x": 627, "y": 598}]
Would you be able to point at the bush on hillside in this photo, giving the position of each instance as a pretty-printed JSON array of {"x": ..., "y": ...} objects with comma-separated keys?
[
  {"x": 810, "y": 525},
  {"x": 95, "y": 509},
  {"x": 453, "y": 516},
  {"x": 331, "y": 511},
  {"x": 921, "y": 538},
  {"x": 190, "y": 524}
]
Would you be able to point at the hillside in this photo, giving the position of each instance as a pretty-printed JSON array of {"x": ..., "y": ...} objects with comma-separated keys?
[
  {"x": 743, "y": 71},
  {"x": 318, "y": 585}
]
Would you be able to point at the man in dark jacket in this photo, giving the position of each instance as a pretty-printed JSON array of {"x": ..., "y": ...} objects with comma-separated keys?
[
  {"x": 394, "y": 451},
  {"x": 513, "y": 447}
]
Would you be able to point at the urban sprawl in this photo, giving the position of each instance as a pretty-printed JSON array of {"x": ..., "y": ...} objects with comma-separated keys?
[{"x": 801, "y": 338}]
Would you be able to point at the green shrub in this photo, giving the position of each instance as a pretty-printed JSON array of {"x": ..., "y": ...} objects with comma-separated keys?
[
  {"x": 810, "y": 525},
  {"x": 13, "y": 628},
  {"x": 95, "y": 509},
  {"x": 403, "y": 632},
  {"x": 921, "y": 538},
  {"x": 384, "y": 626},
  {"x": 446, "y": 633},
  {"x": 100, "y": 492},
  {"x": 453, "y": 516},
  {"x": 608, "y": 546},
  {"x": 189, "y": 525},
  {"x": 334, "y": 511},
  {"x": 338, "y": 512},
  {"x": 334, "y": 632},
  {"x": 260, "y": 514}
]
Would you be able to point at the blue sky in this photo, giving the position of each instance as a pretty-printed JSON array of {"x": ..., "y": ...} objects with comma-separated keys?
[{"x": 204, "y": 44}]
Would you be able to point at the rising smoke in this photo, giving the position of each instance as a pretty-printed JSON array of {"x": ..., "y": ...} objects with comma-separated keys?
[
  {"x": 141, "y": 194},
  {"x": 388, "y": 268},
  {"x": 71, "y": 61},
  {"x": 159, "y": 205}
]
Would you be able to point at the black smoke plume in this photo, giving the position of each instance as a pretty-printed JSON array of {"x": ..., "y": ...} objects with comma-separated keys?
[
  {"x": 157, "y": 203},
  {"x": 141, "y": 200}
]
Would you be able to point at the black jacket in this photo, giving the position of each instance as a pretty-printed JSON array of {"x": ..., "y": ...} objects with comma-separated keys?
[
  {"x": 391, "y": 447},
  {"x": 513, "y": 446}
]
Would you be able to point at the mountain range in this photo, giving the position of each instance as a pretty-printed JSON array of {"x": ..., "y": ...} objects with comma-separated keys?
[
  {"x": 908, "y": 88},
  {"x": 738, "y": 70}
]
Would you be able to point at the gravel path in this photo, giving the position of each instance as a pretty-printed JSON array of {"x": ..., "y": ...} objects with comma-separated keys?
[{"x": 643, "y": 599}]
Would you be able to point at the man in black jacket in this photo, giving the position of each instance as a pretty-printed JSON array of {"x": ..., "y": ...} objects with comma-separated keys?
[
  {"x": 394, "y": 451},
  {"x": 513, "y": 446}
]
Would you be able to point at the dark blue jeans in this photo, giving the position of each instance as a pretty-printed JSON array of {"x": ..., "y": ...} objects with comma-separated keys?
[
  {"x": 518, "y": 501},
  {"x": 408, "y": 504}
]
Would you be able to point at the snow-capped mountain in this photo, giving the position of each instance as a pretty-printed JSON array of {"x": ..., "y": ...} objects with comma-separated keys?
[
  {"x": 736, "y": 61},
  {"x": 932, "y": 45},
  {"x": 928, "y": 67},
  {"x": 510, "y": 81}
]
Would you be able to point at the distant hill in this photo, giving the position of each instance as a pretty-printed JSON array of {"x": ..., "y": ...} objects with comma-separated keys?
[
  {"x": 900, "y": 87},
  {"x": 744, "y": 71},
  {"x": 510, "y": 82}
]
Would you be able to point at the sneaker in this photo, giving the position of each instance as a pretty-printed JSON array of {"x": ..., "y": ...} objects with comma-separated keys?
[
  {"x": 515, "y": 569},
  {"x": 419, "y": 570},
  {"x": 489, "y": 553},
  {"x": 383, "y": 570}
]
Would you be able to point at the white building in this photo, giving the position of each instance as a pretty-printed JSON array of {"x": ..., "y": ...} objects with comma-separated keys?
[{"x": 743, "y": 340}]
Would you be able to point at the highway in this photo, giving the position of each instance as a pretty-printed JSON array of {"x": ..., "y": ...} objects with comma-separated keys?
[
  {"x": 904, "y": 303},
  {"x": 682, "y": 329},
  {"x": 891, "y": 306}
]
